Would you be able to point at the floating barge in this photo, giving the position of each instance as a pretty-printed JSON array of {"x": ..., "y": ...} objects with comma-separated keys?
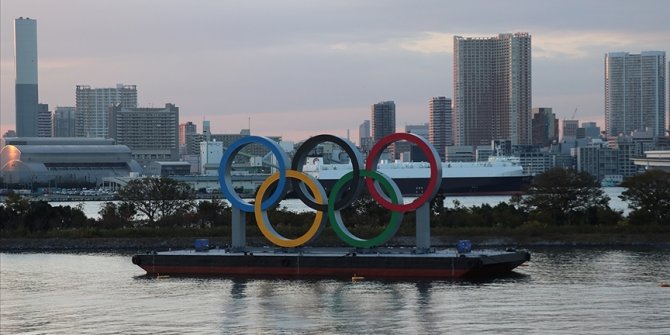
[
  {"x": 382, "y": 263},
  {"x": 364, "y": 258}
]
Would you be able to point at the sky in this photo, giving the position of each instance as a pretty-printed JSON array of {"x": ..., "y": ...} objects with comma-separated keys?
[{"x": 299, "y": 68}]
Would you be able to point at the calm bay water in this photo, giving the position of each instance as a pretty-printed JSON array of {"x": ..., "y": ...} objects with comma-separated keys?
[
  {"x": 584, "y": 291},
  {"x": 91, "y": 208}
]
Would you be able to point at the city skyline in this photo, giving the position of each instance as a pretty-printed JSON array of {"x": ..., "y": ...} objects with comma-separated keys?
[{"x": 319, "y": 62}]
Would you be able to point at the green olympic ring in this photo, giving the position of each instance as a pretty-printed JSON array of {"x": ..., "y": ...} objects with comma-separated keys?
[{"x": 336, "y": 218}]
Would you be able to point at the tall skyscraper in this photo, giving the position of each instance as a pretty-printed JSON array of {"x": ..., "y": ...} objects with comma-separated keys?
[
  {"x": 63, "y": 122},
  {"x": 492, "y": 89},
  {"x": 25, "y": 48},
  {"x": 440, "y": 131},
  {"x": 93, "y": 107},
  {"x": 635, "y": 92},
  {"x": 382, "y": 120},
  {"x": 545, "y": 126}
]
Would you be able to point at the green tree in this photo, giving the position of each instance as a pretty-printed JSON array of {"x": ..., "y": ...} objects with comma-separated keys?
[
  {"x": 109, "y": 214},
  {"x": 648, "y": 195},
  {"x": 565, "y": 196},
  {"x": 17, "y": 205},
  {"x": 157, "y": 198},
  {"x": 126, "y": 212},
  {"x": 14, "y": 212},
  {"x": 212, "y": 213}
]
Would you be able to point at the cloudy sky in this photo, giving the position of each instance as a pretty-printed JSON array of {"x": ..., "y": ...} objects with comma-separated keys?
[{"x": 305, "y": 67}]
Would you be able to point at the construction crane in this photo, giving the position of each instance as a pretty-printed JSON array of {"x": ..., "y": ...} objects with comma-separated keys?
[{"x": 573, "y": 114}]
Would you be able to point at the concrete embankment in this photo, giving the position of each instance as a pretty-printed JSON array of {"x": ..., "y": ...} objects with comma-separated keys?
[{"x": 143, "y": 244}]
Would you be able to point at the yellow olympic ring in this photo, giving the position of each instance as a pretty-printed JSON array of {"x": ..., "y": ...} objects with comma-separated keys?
[{"x": 262, "y": 216}]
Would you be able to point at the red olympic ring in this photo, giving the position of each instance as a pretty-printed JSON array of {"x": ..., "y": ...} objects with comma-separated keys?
[{"x": 435, "y": 172}]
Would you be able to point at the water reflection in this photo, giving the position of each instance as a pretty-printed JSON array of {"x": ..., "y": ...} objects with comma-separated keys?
[{"x": 561, "y": 291}]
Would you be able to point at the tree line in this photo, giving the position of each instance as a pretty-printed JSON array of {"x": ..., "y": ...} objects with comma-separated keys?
[{"x": 558, "y": 197}]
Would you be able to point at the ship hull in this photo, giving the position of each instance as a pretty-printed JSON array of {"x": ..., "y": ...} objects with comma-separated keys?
[
  {"x": 502, "y": 185},
  {"x": 335, "y": 263}
]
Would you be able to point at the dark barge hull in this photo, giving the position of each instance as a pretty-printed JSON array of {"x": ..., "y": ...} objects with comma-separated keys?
[{"x": 334, "y": 263}]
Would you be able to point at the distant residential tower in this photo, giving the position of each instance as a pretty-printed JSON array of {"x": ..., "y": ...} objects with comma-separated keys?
[
  {"x": 635, "y": 92},
  {"x": 440, "y": 132},
  {"x": 93, "y": 107},
  {"x": 382, "y": 120},
  {"x": 545, "y": 126},
  {"x": 492, "y": 89}
]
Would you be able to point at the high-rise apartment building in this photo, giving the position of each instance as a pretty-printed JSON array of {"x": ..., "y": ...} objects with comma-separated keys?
[
  {"x": 93, "y": 107},
  {"x": 545, "y": 126},
  {"x": 25, "y": 48},
  {"x": 440, "y": 131},
  {"x": 63, "y": 122},
  {"x": 43, "y": 120},
  {"x": 492, "y": 89},
  {"x": 382, "y": 120},
  {"x": 186, "y": 129},
  {"x": 152, "y": 134},
  {"x": 635, "y": 92}
]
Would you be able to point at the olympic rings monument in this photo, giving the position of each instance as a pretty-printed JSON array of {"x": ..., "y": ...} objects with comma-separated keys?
[{"x": 361, "y": 258}]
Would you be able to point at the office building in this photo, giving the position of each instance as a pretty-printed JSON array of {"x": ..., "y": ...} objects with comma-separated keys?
[
  {"x": 382, "y": 120},
  {"x": 589, "y": 129},
  {"x": 570, "y": 129},
  {"x": 167, "y": 169},
  {"x": 440, "y": 131},
  {"x": 92, "y": 107},
  {"x": 210, "y": 157},
  {"x": 402, "y": 150},
  {"x": 63, "y": 122},
  {"x": 545, "y": 126},
  {"x": 26, "y": 94},
  {"x": 422, "y": 130},
  {"x": 635, "y": 93},
  {"x": 152, "y": 134},
  {"x": 492, "y": 89}
]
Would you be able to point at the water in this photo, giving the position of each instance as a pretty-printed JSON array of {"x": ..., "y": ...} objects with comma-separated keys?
[
  {"x": 91, "y": 208},
  {"x": 562, "y": 291}
]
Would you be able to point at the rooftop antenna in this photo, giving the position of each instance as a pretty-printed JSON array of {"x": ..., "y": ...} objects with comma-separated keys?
[{"x": 249, "y": 125}]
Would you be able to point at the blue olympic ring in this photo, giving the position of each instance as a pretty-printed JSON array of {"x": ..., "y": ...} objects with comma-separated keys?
[{"x": 226, "y": 167}]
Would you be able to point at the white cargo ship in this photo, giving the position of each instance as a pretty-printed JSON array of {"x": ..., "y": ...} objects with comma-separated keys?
[{"x": 496, "y": 176}]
